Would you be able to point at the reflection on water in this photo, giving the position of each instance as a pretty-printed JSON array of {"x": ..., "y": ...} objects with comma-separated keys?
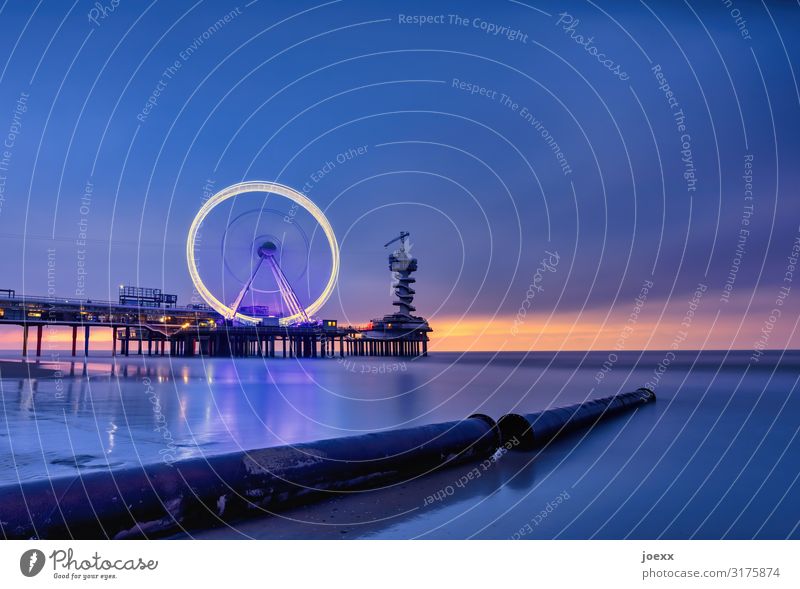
[{"x": 720, "y": 427}]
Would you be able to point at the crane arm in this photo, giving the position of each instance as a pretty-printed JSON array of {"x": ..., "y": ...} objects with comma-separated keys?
[{"x": 403, "y": 235}]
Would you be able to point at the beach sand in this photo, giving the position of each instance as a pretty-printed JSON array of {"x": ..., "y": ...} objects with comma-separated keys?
[{"x": 26, "y": 369}]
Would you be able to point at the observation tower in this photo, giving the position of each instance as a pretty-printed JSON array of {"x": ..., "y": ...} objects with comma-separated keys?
[{"x": 401, "y": 326}]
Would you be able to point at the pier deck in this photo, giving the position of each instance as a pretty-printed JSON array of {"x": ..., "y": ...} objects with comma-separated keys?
[{"x": 196, "y": 330}]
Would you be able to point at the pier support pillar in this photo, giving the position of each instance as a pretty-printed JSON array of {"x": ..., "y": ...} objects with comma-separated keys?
[
  {"x": 127, "y": 340},
  {"x": 38, "y": 340},
  {"x": 24, "y": 340},
  {"x": 424, "y": 347},
  {"x": 74, "y": 339},
  {"x": 86, "y": 341},
  {"x": 113, "y": 342}
]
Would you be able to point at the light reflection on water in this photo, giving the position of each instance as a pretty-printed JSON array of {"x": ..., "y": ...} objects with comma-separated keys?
[{"x": 708, "y": 413}]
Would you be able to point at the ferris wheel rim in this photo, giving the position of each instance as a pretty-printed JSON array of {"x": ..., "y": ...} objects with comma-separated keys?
[{"x": 273, "y": 188}]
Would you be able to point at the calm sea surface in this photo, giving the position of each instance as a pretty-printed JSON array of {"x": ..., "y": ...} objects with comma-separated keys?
[{"x": 716, "y": 456}]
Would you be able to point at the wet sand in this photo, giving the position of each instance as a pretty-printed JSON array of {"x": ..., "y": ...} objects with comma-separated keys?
[{"x": 25, "y": 369}]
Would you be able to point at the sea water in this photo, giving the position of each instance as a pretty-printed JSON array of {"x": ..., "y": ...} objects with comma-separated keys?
[{"x": 716, "y": 456}]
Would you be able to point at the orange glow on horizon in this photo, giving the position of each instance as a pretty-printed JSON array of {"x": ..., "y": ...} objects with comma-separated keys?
[
  {"x": 53, "y": 338},
  {"x": 591, "y": 330},
  {"x": 594, "y": 333}
]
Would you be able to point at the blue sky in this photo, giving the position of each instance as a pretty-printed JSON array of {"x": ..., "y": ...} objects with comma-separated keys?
[{"x": 281, "y": 88}]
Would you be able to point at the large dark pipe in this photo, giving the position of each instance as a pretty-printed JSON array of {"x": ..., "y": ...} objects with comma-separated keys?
[
  {"x": 536, "y": 429},
  {"x": 159, "y": 498}
]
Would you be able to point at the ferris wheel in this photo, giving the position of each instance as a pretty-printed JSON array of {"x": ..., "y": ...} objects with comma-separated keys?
[{"x": 264, "y": 252}]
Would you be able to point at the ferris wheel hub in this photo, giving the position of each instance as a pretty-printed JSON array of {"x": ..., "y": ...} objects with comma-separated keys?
[{"x": 268, "y": 248}]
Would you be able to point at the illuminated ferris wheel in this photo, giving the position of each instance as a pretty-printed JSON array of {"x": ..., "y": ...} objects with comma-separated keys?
[{"x": 261, "y": 243}]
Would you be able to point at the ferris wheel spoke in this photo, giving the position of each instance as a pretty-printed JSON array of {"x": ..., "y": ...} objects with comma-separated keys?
[
  {"x": 237, "y": 303},
  {"x": 287, "y": 292}
]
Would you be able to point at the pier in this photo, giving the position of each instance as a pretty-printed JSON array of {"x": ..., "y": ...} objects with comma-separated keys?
[
  {"x": 149, "y": 321},
  {"x": 144, "y": 328}
]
